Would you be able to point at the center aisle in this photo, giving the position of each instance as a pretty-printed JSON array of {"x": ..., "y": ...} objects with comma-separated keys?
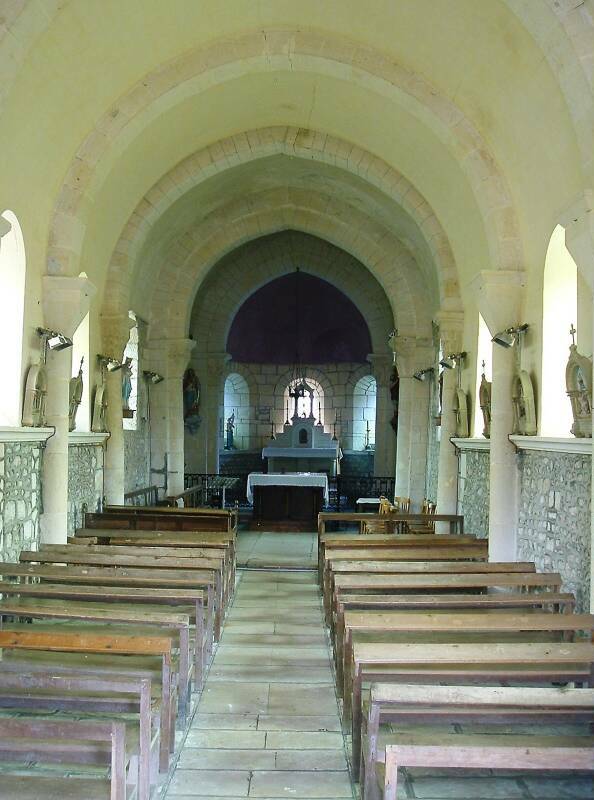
[{"x": 267, "y": 724}]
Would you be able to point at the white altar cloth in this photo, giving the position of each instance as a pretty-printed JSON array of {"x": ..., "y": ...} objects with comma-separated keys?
[
  {"x": 287, "y": 479},
  {"x": 301, "y": 452}
]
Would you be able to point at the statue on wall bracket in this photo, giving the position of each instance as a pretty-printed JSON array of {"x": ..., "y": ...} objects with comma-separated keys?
[
  {"x": 191, "y": 396},
  {"x": 485, "y": 403},
  {"x": 76, "y": 388},
  {"x": 578, "y": 381},
  {"x": 461, "y": 411},
  {"x": 36, "y": 391},
  {"x": 524, "y": 406}
]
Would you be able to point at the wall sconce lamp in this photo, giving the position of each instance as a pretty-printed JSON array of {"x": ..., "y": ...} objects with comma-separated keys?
[
  {"x": 54, "y": 340},
  {"x": 453, "y": 360},
  {"x": 153, "y": 377},
  {"x": 509, "y": 336},
  {"x": 422, "y": 374},
  {"x": 110, "y": 364}
]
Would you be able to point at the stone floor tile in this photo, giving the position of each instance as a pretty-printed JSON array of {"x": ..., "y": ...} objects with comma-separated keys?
[
  {"x": 229, "y": 740},
  {"x": 233, "y": 654},
  {"x": 329, "y": 722},
  {"x": 304, "y": 740},
  {"x": 207, "y": 783},
  {"x": 324, "y": 760},
  {"x": 271, "y": 674},
  {"x": 205, "y": 758},
  {"x": 265, "y": 640},
  {"x": 229, "y": 697},
  {"x": 229, "y": 722},
  {"x": 316, "y": 784},
  {"x": 301, "y": 700}
]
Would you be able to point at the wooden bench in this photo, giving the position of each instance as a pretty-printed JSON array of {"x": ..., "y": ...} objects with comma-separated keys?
[
  {"x": 37, "y": 735},
  {"x": 397, "y": 518},
  {"x": 525, "y": 662},
  {"x": 124, "y": 576},
  {"x": 496, "y": 706},
  {"x": 409, "y": 626},
  {"x": 40, "y": 693},
  {"x": 416, "y": 576},
  {"x": 144, "y": 624},
  {"x": 63, "y": 641},
  {"x": 163, "y": 518}
]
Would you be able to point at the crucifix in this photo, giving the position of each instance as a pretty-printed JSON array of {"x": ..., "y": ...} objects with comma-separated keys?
[{"x": 572, "y": 333}]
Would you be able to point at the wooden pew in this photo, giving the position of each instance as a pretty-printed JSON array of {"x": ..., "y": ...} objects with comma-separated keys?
[
  {"x": 121, "y": 615},
  {"x": 455, "y": 521},
  {"x": 164, "y": 518},
  {"x": 378, "y": 576},
  {"x": 62, "y": 641},
  {"x": 75, "y": 695},
  {"x": 57, "y": 572},
  {"x": 461, "y": 705},
  {"x": 487, "y": 663},
  {"x": 409, "y": 626},
  {"x": 29, "y": 731}
]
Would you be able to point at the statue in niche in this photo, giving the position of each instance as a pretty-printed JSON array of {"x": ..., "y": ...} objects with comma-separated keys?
[
  {"x": 75, "y": 396},
  {"x": 99, "y": 424},
  {"x": 229, "y": 429},
  {"x": 485, "y": 403},
  {"x": 191, "y": 395},
  {"x": 35, "y": 394},
  {"x": 461, "y": 411},
  {"x": 578, "y": 381},
  {"x": 524, "y": 406},
  {"x": 127, "y": 412}
]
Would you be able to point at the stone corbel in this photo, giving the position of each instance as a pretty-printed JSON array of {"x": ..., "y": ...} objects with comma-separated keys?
[
  {"x": 66, "y": 301},
  {"x": 499, "y": 297},
  {"x": 115, "y": 333}
]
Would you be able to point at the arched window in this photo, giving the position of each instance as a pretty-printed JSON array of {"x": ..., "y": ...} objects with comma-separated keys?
[
  {"x": 130, "y": 379},
  {"x": 364, "y": 402},
  {"x": 12, "y": 303},
  {"x": 484, "y": 355},
  {"x": 559, "y": 314},
  {"x": 80, "y": 354},
  {"x": 303, "y": 403},
  {"x": 237, "y": 411}
]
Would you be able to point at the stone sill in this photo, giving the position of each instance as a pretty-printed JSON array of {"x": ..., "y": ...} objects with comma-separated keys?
[
  {"x": 87, "y": 437},
  {"x": 471, "y": 444},
  {"x": 25, "y": 434},
  {"x": 553, "y": 444}
]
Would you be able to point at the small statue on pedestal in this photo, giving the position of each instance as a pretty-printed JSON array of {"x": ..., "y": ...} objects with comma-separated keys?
[
  {"x": 229, "y": 428},
  {"x": 76, "y": 392},
  {"x": 578, "y": 381}
]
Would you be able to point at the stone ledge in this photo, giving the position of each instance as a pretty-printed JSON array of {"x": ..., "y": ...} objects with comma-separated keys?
[
  {"x": 25, "y": 434},
  {"x": 553, "y": 444},
  {"x": 471, "y": 443},
  {"x": 87, "y": 437}
]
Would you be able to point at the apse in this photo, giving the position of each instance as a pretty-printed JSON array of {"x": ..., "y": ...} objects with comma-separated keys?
[{"x": 299, "y": 314}]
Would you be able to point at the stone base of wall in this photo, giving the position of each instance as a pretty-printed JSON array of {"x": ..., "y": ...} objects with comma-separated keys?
[
  {"x": 473, "y": 491},
  {"x": 20, "y": 498},
  {"x": 554, "y": 517},
  {"x": 85, "y": 481}
]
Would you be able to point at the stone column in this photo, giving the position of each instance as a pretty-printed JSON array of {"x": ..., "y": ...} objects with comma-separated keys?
[
  {"x": 170, "y": 359},
  {"x": 450, "y": 329},
  {"x": 65, "y": 304},
  {"x": 115, "y": 332},
  {"x": 579, "y": 240},
  {"x": 385, "y": 440},
  {"x": 499, "y": 299}
]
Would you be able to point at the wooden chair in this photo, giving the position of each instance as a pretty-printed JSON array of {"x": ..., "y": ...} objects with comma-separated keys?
[{"x": 402, "y": 504}]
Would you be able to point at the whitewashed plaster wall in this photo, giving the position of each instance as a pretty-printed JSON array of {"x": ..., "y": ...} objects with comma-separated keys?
[
  {"x": 85, "y": 481},
  {"x": 20, "y": 497}
]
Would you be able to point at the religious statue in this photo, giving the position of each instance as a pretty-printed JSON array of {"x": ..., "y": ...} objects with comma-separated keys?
[
  {"x": 75, "y": 396},
  {"x": 35, "y": 394},
  {"x": 99, "y": 424},
  {"x": 229, "y": 428},
  {"x": 191, "y": 395},
  {"x": 461, "y": 410},
  {"x": 524, "y": 407},
  {"x": 485, "y": 403},
  {"x": 127, "y": 412},
  {"x": 578, "y": 381}
]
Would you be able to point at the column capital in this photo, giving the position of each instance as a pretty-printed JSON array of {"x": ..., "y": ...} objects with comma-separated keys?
[
  {"x": 451, "y": 326},
  {"x": 66, "y": 301},
  {"x": 412, "y": 354},
  {"x": 578, "y": 222},
  {"x": 382, "y": 365},
  {"x": 499, "y": 296},
  {"x": 170, "y": 356},
  {"x": 115, "y": 332}
]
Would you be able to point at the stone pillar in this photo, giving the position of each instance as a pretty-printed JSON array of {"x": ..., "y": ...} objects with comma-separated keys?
[
  {"x": 385, "y": 440},
  {"x": 579, "y": 240},
  {"x": 66, "y": 301},
  {"x": 170, "y": 359},
  {"x": 499, "y": 299},
  {"x": 115, "y": 332},
  {"x": 450, "y": 329}
]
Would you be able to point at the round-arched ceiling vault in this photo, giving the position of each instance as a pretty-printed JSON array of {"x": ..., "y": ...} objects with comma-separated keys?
[{"x": 253, "y": 265}]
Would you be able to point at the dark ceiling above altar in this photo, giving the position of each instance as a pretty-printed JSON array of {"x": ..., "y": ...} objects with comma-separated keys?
[{"x": 331, "y": 327}]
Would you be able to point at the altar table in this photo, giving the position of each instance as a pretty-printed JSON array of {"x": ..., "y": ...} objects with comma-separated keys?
[{"x": 290, "y": 496}]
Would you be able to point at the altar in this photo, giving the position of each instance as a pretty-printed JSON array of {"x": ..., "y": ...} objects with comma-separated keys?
[{"x": 292, "y": 497}]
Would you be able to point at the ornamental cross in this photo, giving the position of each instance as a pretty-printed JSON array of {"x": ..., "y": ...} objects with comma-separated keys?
[{"x": 572, "y": 332}]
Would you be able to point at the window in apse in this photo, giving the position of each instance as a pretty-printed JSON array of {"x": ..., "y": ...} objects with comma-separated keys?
[
  {"x": 559, "y": 313},
  {"x": 12, "y": 306},
  {"x": 303, "y": 403},
  {"x": 483, "y": 355},
  {"x": 364, "y": 404}
]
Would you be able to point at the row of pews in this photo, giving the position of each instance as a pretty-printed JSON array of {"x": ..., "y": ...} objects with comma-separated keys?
[
  {"x": 104, "y": 641},
  {"x": 444, "y": 659}
]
